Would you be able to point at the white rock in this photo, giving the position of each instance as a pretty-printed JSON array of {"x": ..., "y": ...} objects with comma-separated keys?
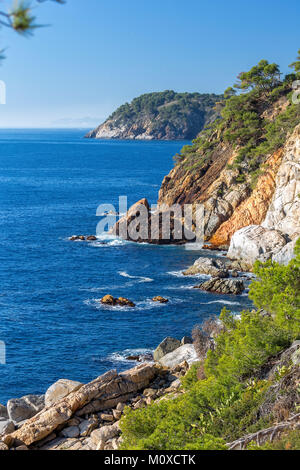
[
  {"x": 20, "y": 409},
  {"x": 285, "y": 255},
  {"x": 184, "y": 353},
  {"x": 6, "y": 427},
  {"x": 71, "y": 432},
  {"x": 284, "y": 211},
  {"x": 103, "y": 434},
  {"x": 60, "y": 389},
  {"x": 255, "y": 243}
]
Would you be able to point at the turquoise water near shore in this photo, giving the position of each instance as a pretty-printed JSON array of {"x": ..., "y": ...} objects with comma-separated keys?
[{"x": 52, "y": 323}]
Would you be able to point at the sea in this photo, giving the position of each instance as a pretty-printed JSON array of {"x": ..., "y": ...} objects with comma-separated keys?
[{"x": 52, "y": 324}]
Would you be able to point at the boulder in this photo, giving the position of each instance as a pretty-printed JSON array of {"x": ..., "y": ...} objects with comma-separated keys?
[
  {"x": 100, "y": 436},
  {"x": 255, "y": 243},
  {"x": 3, "y": 412},
  {"x": 166, "y": 346},
  {"x": 3, "y": 446},
  {"x": 20, "y": 409},
  {"x": 91, "y": 238},
  {"x": 186, "y": 352},
  {"x": 222, "y": 286},
  {"x": 286, "y": 254},
  {"x": 6, "y": 427},
  {"x": 160, "y": 299},
  {"x": 208, "y": 266},
  {"x": 60, "y": 389}
]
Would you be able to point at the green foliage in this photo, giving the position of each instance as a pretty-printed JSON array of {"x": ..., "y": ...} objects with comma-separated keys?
[
  {"x": 277, "y": 290},
  {"x": 169, "y": 109},
  {"x": 296, "y": 65},
  {"x": 263, "y": 76},
  {"x": 225, "y": 404},
  {"x": 244, "y": 126}
]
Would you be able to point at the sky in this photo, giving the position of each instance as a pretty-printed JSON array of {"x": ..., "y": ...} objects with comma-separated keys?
[{"x": 96, "y": 55}]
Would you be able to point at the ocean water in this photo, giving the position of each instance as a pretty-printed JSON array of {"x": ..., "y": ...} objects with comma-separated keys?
[{"x": 51, "y": 183}]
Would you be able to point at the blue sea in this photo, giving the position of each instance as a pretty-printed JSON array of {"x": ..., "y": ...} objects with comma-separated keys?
[{"x": 51, "y": 183}]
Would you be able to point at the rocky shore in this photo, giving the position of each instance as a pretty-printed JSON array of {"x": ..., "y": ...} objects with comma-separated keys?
[{"x": 76, "y": 416}]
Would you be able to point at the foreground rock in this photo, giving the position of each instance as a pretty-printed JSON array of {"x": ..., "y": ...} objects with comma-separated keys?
[
  {"x": 208, "y": 266},
  {"x": 255, "y": 243},
  {"x": 122, "y": 301},
  {"x": 60, "y": 389},
  {"x": 166, "y": 346},
  {"x": 103, "y": 393},
  {"x": 222, "y": 286},
  {"x": 185, "y": 352}
]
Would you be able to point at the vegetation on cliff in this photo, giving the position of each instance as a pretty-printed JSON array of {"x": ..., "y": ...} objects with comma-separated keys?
[
  {"x": 235, "y": 390},
  {"x": 255, "y": 122},
  {"x": 161, "y": 115}
]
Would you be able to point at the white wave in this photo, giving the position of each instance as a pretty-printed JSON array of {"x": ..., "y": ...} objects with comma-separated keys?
[
  {"x": 121, "y": 356},
  {"x": 180, "y": 274},
  {"x": 139, "y": 278},
  {"x": 225, "y": 302}
]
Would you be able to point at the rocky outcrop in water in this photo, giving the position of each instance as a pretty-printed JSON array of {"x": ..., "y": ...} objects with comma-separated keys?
[{"x": 222, "y": 286}]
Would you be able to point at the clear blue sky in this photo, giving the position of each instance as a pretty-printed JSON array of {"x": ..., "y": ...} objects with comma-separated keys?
[{"x": 98, "y": 54}]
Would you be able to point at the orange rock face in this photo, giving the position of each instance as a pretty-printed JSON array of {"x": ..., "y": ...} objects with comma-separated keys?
[{"x": 253, "y": 209}]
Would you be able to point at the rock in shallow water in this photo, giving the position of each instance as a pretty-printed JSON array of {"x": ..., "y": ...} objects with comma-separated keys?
[
  {"x": 166, "y": 346},
  {"x": 160, "y": 299},
  {"x": 222, "y": 286},
  {"x": 208, "y": 266},
  {"x": 122, "y": 301}
]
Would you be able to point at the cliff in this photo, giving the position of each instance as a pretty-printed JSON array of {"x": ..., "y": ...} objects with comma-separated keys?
[{"x": 163, "y": 116}]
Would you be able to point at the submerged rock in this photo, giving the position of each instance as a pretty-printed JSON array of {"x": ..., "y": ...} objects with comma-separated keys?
[
  {"x": 77, "y": 238},
  {"x": 166, "y": 346},
  {"x": 222, "y": 286},
  {"x": 160, "y": 299},
  {"x": 122, "y": 301}
]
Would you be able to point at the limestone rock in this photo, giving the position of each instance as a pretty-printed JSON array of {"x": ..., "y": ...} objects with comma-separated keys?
[
  {"x": 186, "y": 340},
  {"x": 6, "y": 427},
  {"x": 59, "y": 390},
  {"x": 208, "y": 266},
  {"x": 284, "y": 211},
  {"x": 20, "y": 409},
  {"x": 71, "y": 432},
  {"x": 255, "y": 242},
  {"x": 166, "y": 346},
  {"x": 3, "y": 446},
  {"x": 286, "y": 253},
  {"x": 222, "y": 286},
  {"x": 102, "y": 435},
  {"x": 185, "y": 352}
]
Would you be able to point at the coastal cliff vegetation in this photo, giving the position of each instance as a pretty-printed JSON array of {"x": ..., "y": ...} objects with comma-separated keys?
[
  {"x": 163, "y": 115},
  {"x": 247, "y": 383},
  {"x": 256, "y": 116}
]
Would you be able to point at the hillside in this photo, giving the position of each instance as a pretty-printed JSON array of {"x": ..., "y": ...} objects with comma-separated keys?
[{"x": 162, "y": 116}]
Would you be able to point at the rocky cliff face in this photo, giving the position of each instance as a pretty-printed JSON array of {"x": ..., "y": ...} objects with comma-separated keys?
[{"x": 162, "y": 116}]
